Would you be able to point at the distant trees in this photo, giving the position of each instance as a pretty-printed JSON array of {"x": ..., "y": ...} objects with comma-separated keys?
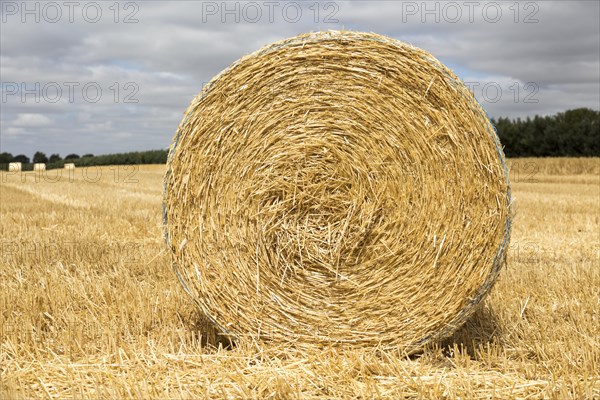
[
  {"x": 22, "y": 158},
  {"x": 573, "y": 133},
  {"x": 40, "y": 157},
  {"x": 136, "y": 157},
  {"x": 88, "y": 160},
  {"x": 5, "y": 158},
  {"x": 54, "y": 158}
]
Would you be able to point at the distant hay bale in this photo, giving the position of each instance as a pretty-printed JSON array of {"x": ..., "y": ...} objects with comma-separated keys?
[
  {"x": 39, "y": 167},
  {"x": 14, "y": 167},
  {"x": 69, "y": 165},
  {"x": 337, "y": 188}
]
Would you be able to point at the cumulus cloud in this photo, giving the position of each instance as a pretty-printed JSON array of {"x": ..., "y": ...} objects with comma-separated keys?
[
  {"x": 120, "y": 80},
  {"x": 32, "y": 120}
]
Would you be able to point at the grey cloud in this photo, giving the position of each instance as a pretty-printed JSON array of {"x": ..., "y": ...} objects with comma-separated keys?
[{"x": 175, "y": 48}]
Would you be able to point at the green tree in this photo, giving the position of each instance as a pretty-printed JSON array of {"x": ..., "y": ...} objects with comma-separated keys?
[
  {"x": 72, "y": 157},
  {"x": 573, "y": 133},
  {"x": 55, "y": 158},
  {"x": 5, "y": 158},
  {"x": 22, "y": 158},
  {"x": 40, "y": 157}
]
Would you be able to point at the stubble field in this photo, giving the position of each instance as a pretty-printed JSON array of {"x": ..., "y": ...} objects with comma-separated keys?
[{"x": 91, "y": 309}]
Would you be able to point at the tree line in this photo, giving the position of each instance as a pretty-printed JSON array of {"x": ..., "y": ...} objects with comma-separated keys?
[
  {"x": 573, "y": 133},
  {"x": 86, "y": 160}
]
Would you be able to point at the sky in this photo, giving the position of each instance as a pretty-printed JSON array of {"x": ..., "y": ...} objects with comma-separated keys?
[{"x": 105, "y": 77}]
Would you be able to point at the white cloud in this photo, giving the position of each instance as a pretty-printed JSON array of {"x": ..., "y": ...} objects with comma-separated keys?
[
  {"x": 14, "y": 131},
  {"x": 32, "y": 120}
]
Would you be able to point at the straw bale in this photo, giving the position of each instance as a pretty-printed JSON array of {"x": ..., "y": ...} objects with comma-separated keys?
[{"x": 337, "y": 188}]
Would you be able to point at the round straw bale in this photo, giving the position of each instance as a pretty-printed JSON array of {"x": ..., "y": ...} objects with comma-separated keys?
[{"x": 337, "y": 188}]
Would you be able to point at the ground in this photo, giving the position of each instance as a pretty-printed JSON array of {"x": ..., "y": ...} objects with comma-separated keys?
[{"x": 91, "y": 309}]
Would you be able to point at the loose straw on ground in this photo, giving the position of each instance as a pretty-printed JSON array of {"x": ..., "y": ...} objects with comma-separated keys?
[{"x": 337, "y": 188}]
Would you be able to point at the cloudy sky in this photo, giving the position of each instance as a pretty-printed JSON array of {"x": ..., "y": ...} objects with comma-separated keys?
[{"x": 103, "y": 77}]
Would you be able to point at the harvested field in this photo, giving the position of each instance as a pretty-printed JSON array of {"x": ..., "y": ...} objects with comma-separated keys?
[{"x": 91, "y": 307}]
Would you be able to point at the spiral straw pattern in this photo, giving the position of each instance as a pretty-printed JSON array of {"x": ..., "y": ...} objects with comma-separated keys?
[{"x": 337, "y": 188}]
